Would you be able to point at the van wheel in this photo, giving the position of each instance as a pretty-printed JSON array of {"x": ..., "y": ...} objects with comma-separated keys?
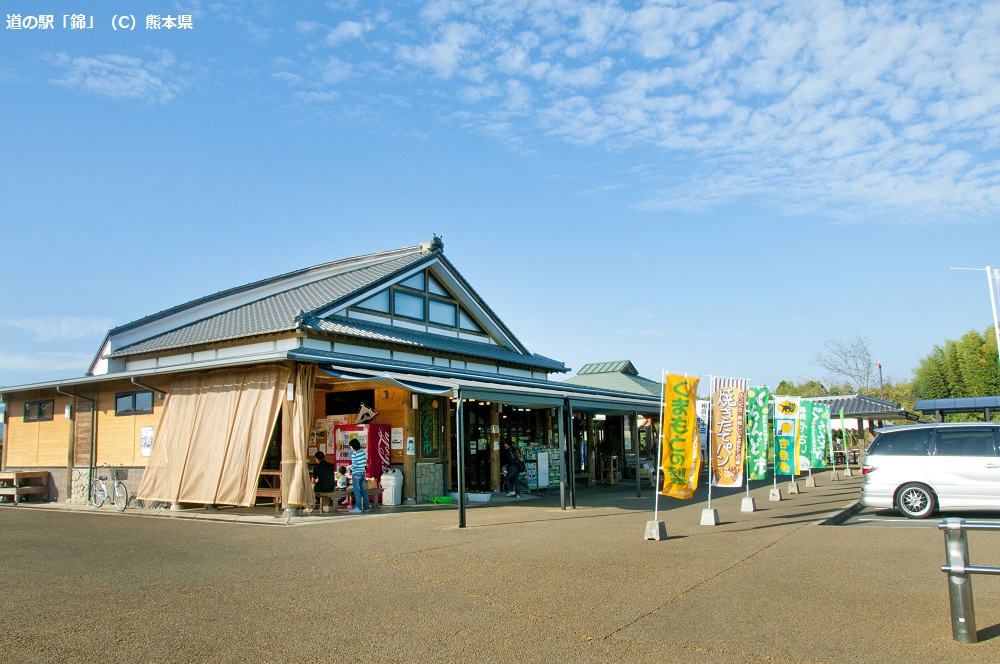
[{"x": 916, "y": 501}]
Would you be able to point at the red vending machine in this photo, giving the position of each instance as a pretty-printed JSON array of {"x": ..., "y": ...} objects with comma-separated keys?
[{"x": 374, "y": 438}]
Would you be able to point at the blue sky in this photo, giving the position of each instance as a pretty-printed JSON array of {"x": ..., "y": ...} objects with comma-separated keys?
[{"x": 705, "y": 187}]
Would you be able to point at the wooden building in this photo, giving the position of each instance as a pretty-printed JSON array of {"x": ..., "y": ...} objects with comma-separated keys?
[{"x": 201, "y": 401}]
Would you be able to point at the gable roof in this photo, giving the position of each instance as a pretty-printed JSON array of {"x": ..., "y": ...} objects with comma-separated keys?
[
  {"x": 273, "y": 313},
  {"x": 620, "y": 376},
  {"x": 860, "y": 406},
  {"x": 310, "y": 299}
]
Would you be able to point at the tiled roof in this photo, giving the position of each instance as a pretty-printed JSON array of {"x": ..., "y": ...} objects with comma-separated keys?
[
  {"x": 426, "y": 341},
  {"x": 861, "y": 406},
  {"x": 275, "y": 313}
]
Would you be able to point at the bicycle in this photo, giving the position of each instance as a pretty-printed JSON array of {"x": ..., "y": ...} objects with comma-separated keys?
[{"x": 99, "y": 490}]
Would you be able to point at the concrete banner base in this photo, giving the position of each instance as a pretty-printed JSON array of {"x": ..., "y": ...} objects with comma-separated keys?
[
  {"x": 774, "y": 495},
  {"x": 834, "y": 477},
  {"x": 748, "y": 504},
  {"x": 847, "y": 472},
  {"x": 709, "y": 517},
  {"x": 656, "y": 530},
  {"x": 793, "y": 487},
  {"x": 810, "y": 482}
]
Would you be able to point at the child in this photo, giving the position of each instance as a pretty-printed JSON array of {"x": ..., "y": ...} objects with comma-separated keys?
[{"x": 341, "y": 477}]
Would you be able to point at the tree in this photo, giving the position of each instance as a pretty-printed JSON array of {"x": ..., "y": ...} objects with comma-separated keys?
[
  {"x": 810, "y": 388},
  {"x": 851, "y": 359},
  {"x": 964, "y": 368}
]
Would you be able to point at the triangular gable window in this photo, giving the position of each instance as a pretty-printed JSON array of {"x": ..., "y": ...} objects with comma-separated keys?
[
  {"x": 466, "y": 322},
  {"x": 421, "y": 297},
  {"x": 416, "y": 282},
  {"x": 434, "y": 287},
  {"x": 377, "y": 302}
]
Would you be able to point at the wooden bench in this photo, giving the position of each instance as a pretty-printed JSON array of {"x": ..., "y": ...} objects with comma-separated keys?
[
  {"x": 14, "y": 484},
  {"x": 582, "y": 476},
  {"x": 333, "y": 498},
  {"x": 273, "y": 494}
]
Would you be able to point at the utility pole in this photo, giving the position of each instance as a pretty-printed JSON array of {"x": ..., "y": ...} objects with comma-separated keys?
[{"x": 881, "y": 389}]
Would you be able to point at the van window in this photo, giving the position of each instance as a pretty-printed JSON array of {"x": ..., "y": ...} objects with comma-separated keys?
[
  {"x": 904, "y": 442},
  {"x": 964, "y": 442}
]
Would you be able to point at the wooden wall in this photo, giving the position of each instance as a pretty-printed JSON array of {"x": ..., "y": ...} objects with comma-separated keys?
[
  {"x": 61, "y": 442},
  {"x": 37, "y": 443}
]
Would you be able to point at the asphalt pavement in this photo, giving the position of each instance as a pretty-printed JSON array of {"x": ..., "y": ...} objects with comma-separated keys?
[{"x": 523, "y": 581}]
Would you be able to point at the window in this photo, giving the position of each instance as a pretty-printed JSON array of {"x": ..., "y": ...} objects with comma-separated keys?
[
  {"x": 377, "y": 302},
  {"x": 408, "y": 306},
  {"x": 466, "y": 323},
  {"x": 434, "y": 287},
  {"x": 964, "y": 442},
  {"x": 133, "y": 403},
  {"x": 39, "y": 411},
  {"x": 441, "y": 313},
  {"x": 416, "y": 282},
  {"x": 906, "y": 442},
  {"x": 421, "y": 297}
]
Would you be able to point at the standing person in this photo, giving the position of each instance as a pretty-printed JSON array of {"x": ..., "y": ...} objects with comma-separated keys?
[
  {"x": 513, "y": 465},
  {"x": 359, "y": 460}
]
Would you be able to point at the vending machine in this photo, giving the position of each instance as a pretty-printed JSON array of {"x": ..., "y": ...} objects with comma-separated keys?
[{"x": 374, "y": 439}]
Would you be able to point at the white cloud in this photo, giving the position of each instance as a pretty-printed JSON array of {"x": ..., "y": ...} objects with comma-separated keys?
[
  {"x": 53, "y": 328},
  {"x": 344, "y": 31},
  {"x": 822, "y": 106},
  {"x": 445, "y": 55},
  {"x": 122, "y": 76}
]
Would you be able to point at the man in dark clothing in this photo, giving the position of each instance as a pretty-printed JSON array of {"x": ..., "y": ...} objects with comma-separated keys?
[{"x": 324, "y": 473}]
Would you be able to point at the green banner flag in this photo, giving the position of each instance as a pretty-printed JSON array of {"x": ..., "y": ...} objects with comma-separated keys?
[
  {"x": 805, "y": 440},
  {"x": 821, "y": 435},
  {"x": 757, "y": 432}
]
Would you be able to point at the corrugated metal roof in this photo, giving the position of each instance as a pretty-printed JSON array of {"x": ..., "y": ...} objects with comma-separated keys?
[
  {"x": 620, "y": 376},
  {"x": 620, "y": 366},
  {"x": 276, "y": 313},
  {"x": 958, "y": 405}
]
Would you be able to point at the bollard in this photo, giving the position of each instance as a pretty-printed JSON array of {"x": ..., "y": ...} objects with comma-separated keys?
[{"x": 963, "y": 612}]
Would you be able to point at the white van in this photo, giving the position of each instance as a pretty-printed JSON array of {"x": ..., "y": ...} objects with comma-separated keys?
[{"x": 926, "y": 467}]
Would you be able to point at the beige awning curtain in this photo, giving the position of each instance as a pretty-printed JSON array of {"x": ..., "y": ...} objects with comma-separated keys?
[
  {"x": 296, "y": 483},
  {"x": 213, "y": 434}
]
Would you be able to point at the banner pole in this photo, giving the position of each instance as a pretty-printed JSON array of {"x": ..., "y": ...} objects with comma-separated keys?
[
  {"x": 775, "y": 465},
  {"x": 708, "y": 443},
  {"x": 659, "y": 446}
]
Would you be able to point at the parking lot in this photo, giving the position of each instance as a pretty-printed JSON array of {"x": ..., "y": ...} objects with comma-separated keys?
[{"x": 524, "y": 580}]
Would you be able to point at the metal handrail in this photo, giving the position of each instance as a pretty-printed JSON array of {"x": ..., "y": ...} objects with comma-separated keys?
[{"x": 956, "y": 549}]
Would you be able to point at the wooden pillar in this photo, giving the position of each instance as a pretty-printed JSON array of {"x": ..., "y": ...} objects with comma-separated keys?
[
  {"x": 449, "y": 422},
  {"x": 411, "y": 431},
  {"x": 494, "y": 443}
]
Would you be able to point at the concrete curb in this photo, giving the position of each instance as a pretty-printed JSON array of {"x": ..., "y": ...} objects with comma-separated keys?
[{"x": 841, "y": 515}]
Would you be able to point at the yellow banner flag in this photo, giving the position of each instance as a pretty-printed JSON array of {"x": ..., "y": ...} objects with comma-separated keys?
[{"x": 680, "y": 446}]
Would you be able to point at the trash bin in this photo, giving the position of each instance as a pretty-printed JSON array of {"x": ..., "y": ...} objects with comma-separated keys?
[{"x": 392, "y": 487}]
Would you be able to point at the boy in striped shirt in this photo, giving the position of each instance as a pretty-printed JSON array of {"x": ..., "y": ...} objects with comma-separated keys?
[{"x": 359, "y": 462}]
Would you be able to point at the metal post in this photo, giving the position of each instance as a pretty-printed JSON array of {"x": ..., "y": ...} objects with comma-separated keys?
[
  {"x": 963, "y": 613},
  {"x": 460, "y": 445},
  {"x": 993, "y": 303},
  {"x": 635, "y": 449},
  {"x": 572, "y": 458},
  {"x": 562, "y": 460}
]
